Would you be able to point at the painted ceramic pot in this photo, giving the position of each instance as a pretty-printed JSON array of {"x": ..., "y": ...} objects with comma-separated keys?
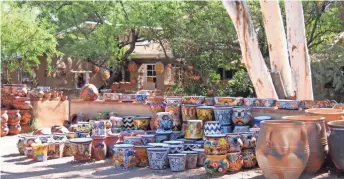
[
  {"x": 174, "y": 142},
  {"x": 191, "y": 146},
  {"x": 255, "y": 132},
  {"x": 158, "y": 158},
  {"x": 83, "y": 135},
  {"x": 235, "y": 160},
  {"x": 13, "y": 117},
  {"x": 176, "y": 135},
  {"x": 200, "y": 143},
  {"x": 177, "y": 162},
  {"x": 195, "y": 100},
  {"x": 141, "y": 123},
  {"x": 248, "y": 140},
  {"x": 241, "y": 129},
  {"x": 112, "y": 96},
  {"x": 98, "y": 151},
  {"x": 4, "y": 116},
  {"x": 116, "y": 122},
  {"x": 258, "y": 119},
  {"x": 141, "y": 98},
  {"x": 205, "y": 113},
  {"x": 141, "y": 155},
  {"x": 14, "y": 129},
  {"x": 147, "y": 138},
  {"x": 137, "y": 132},
  {"x": 110, "y": 141},
  {"x": 4, "y": 129},
  {"x": 189, "y": 112},
  {"x": 156, "y": 104},
  {"x": 212, "y": 127},
  {"x": 288, "y": 104},
  {"x": 103, "y": 115},
  {"x": 191, "y": 159},
  {"x": 282, "y": 148},
  {"x": 134, "y": 140},
  {"x": 157, "y": 145},
  {"x": 336, "y": 148},
  {"x": 81, "y": 149},
  {"x": 40, "y": 152},
  {"x": 165, "y": 121},
  {"x": 46, "y": 138},
  {"x": 255, "y": 102},
  {"x": 176, "y": 148},
  {"x": 67, "y": 150},
  {"x": 200, "y": 157},
  {"x": 128, "y": 98},
  {"x": 25, "y": 116},
  {"x": 84, "y": 127},
  {"x": 234, "y": 142},
  {"x": 249, "y": 158},
  {"x": 216, "y": 164},
  {"x": 241, "y": 116},
  {"x": 184, "y": 127},
  {"x": 268, "y": 102},
  {"x": 59, "y": 137},
  {"x": 329, "y": 114},
  {"x": 229, "y": 101},
  {"x": 176, "y": 120},
  {"x": 124, "y": 156},
  {"x": 307, "y": 104},
  {"x": 28, "y": 141},
  {"x": 194, "y": 129},
  {"x": 89, "y": 92},
  {"x": 216, "y": 144},
  {"x": 223, "y": 115},
  {"x": 161, "y": 136},
  {"x": 209, "y": 101},
  {"x": 128, "y": 122},
  {"x": 173, "y": 101},
  {"x": 20, "y": 144},
  {"x": 71, "y": 135},
  {"x": 317, "y": 139},
  {"x": 55, "y": 149},
  {"x": 227, "y": 129},
  {"x": 154, "y": 123}
]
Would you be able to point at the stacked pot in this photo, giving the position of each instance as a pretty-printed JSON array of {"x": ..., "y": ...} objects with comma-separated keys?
[{"x": 4, "y": 120}]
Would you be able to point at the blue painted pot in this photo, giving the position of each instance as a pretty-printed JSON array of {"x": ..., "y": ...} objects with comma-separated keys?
[
  {"x": 161, "y": 136},
  {"x": 223, "y": 115},
  {"x": 157, "y": 158},
  {"x": 226, "y": 129},
  {"x": 175, "y": 148},
  {"x": 259, "y": 119},
  {"x": 165, "y": 121},
  {"x": 176, "y": 135},
  {"x": 288, "y": 104},
  {"x": 177, "y": 162}
]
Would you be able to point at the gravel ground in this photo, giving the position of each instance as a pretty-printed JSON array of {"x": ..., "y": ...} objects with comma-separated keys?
[{"x": 14, "y": 165}]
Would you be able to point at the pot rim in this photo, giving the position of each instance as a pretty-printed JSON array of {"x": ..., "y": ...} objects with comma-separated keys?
[
  {"x": 132, "y": 137},
  {"x": 259, "y": 118},
  {"x": 234, "y": 153},
  {"x": 146, "y": 135},
  {"x": 123, "y": 146},
  {"x": 198, "y": 150},
  {"x": 223, "y": 107},
  {"x": 173, "y": 142},
  {"x": 177, "y": 155},
  {"x": 81, "y": 140},
  {"x": 212, "y": 122},
  {"x": 334, "y": 124},
  {"x": 228, "y": 97},
  {"x": 205, "y": 107},
  {"x": 189, "y": 105},
  {"x": 281, "y": 121},
  {"x": 216, "y": 135},
  {"x": 288, "y": 100},
  {"x": 194, "y": 120},
  {"x": 324, "y": 111},
  {"x": 189, "y": 152},
  {"x": 306, "y": 119},
  {"x": 158, "y": 149}
]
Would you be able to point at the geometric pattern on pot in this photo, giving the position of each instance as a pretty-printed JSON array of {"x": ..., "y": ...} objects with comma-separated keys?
[
  {"x": 229, "y": 101},
  {"x": 128, "y": 122},
  {"x": 241, "y": 116},
  {"x": 158, "y": 158},
  {"x": 190, "y": 147},
  {"x": 212, "y": 127},
  {"x": 255, "y": 102},
  {"x": 174, "y": 149},
  {"x": 288, "y": 104},
  {"x": 177, "y": 162},
  {"x": 223, "y": 115}
]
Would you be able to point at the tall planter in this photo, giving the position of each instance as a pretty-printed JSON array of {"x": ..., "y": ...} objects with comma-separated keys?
[{"x": 337, "y": 148}]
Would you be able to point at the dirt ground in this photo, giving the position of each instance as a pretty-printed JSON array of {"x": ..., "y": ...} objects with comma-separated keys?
[{"x": 14, "y": 165}]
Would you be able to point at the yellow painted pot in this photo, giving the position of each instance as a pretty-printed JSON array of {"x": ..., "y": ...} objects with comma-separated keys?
[
  {"x": 194, "y": 129},
  {"x": 205, "y": 113}
]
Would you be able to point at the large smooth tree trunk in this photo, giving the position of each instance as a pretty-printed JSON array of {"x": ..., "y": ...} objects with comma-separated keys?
[
  {"x": 277, "y": 43},
  {"x": 251, "y": 54},
  {"x": 298, "y": 51}
]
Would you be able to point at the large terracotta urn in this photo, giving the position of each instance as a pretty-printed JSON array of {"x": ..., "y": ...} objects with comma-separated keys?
[
  {"x": 282, "y": 149},
  {"x": 336, "y": 147},
  {"x": 330, "y": 114},
  {"x": 317, "y": 139}
]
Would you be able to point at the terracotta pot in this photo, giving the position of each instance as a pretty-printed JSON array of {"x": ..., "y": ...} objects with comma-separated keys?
[
  {"x": 205, "y": 113},
  {"x": 13, "y": 117},
  {"x": 98, "y": 148},
  {"x": 141, "y": 155},
  {"x": 194, "y": 100},
  {"x": 81, "y": 148},
  {"x": 110, "y": 141},
  {"x": 249, "y": 158},
  {"x": 25, "y": 116},
  {"x": 4, "y": 129},
  {"x": 216, "y": 164},
  {"x": 14, "y": 129},
  {"x": 4, "y": 116},
  {"x": 191, "y": 159},
  {"x": 282, "y": 148},
  {"x": 336, "y": 147},
  {"x": 330, "y": 114},
  {"x": 235, "y": 161},
  {"x": 216, "y": 144},
  {"x": 189, "y": 112},
  {"x": 317, "y": 139}
]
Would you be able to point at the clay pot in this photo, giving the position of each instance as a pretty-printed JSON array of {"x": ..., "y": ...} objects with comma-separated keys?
[
  {"x": 191, "y": 159},
  {"x": 330, "y": 114},
  {"x": 156, "y": 104},
  {"x": 147, "y": 138},
  {"x": 154, "y": 123},
  {"x": 98, "y": 148},
  {"x": 200, "y": 157},
  {"x": 249, "y": 158},
  {"x": 4, "y": 129},
  {"x": 241, "y": 116},
  {"x": 282, "y": 148},
  {"x": 4, "y": 116},
  {"x": 177, "y": 162},
  {"x": 110, "y": 141},
  {"x": 14, "y": 129},
  {"x": 81, "y": 149},
  {"x": 189, "y": 112},
  {"x": 194, "y": 129},
  {"x": 235, "y": 143},
  {"x": 337, "y": 148},
  {"x": 46, "y": 95},
  {"x": 235, "y": 161},
  {"x": 229, "y": 101},
  {"x": 25, "y": 116},
  {"x": 223, "y": 115},
  {"x": 216, "y": 144},
  {"x": 165, "y": 121},
  {"x": 317, "y": 139},
  {"x": 216, "y": 164},
  {"x": 205, "y": 113},
  {"x": 13, "y": 117},
  {"x": 141, "y": 155}
]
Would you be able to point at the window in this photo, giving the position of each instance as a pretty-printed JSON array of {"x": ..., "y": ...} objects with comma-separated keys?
[
  {"x": 225, "y": 74},
  {"x": 151, "y": 73}
]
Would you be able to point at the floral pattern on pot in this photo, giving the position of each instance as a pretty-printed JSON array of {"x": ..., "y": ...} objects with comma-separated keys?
[
  {"x": 189, "y": 112},
  {"x": 229, "y": 101},
  {"x": 81, "y": 148},
  {"x": 216, "y": 164},
  {"x": 141, "y": 98},
  {"x": 223, "y": 115},
  {"x": 191, "y": 159},
  {"x": 124, "y": 156},
  {"x": 157, "y": 158},
  {"x": 200, "y": 156},
  {"x": 98, "y": 148},
  {"x": 165, "y": 121},
  {"x": 288, "y": 104},
  {"x": 234, "y": 142},
  {"x": 241, "y": 116},
  {"x": 248, "y": 140},
  {"x": 194, "y": 129},
  {"x": 249, "y": 158},
  {"x": 177, "y": 162},
  {"x": 141, "y": 155},
  {"x": 205, "y": 113},
  {"x": 55, "y": 149},
  {"x": 216, "y": 144},
  {"x": 235, "y": 161},
  {"x": 141, "y": 123},
  {"x": 196, "y": 100}
]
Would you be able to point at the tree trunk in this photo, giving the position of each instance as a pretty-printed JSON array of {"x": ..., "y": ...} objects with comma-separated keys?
[
  {"x": 251, "y": 54},
  {"x": 277, "y": 43},
  {"x": 298, "y": 51}
]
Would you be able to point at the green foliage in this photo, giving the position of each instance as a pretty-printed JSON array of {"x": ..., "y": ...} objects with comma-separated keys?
[{"x": 34, "y": 124}]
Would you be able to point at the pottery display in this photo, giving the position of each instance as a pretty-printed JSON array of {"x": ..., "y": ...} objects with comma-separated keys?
[
  {"x": 223, "y": 115},
  {"x": 165, "y": 121},
  {"x": 128, "y": 122},
  {"x": 195, "y": 100},
  {"x": 241, "y": 116},
  {"x": 40, "y": 152},
  {"x": 216, "y": 164},
  {"x": 229, "y": 101},
  {"x": 157, "y": 145},
  {"x": 98, "y": 148},
  {"x": 282, "y": 148},
  {"x": 158, "y": 158},
  {"x": 288, "y": 104},
  {"x": 248, "y": 140},
  {"x": 20, "y": 144},
  {"x": 67, "y": 150},
  {"x": 209, "y": 101},
  {"x": 194, "y": 129},
  {"x": 235, "y": 160},
  {"x": 191, "y": 146},
  {"x": 156, "y": 104},
  {"x": 141, "y": 155},
  {"x": 336, "y": 148},
  {"x": 134, "y": 140},
  {"x": 317, "y": 139},
  {"x": 124, "y": 156},
  {"x": 329, "y": 114},
  {"x": 21, "y": 103},
  {"x": 191, "y": 159},
  {"x": 83, "y": 135},
  {"x": 200, "y": 157},
  {"x": 59, "y": 137},
  {"x": 147, "y": 138},
  {"x": 189, "y": 112},
  {"x": 205, "y": 113},
  {"x": 84, "y": 127},
  {"x": 175, "y": 148},
  {"x": 176, "y": 135},
  {"x": 255, "y": 102},
  {"x": 258, "y": 119},
  {"x": 112, "y": 96},
  {"x": 141, "y": 97},
  {"x": 81, "y": 148},
  {"x": 241, "y": 129},
  {"x": 212, "y": 127},
  {"x": 216, "y": 144},
  {"x": 13, "y": 117},
  {"x": 177, "y": 162},
  {"x": 235, "y": 143},
  {"x": 226, "y": 129},
  {"x": 141, "y": 123},
  {"x": 127, "y": 97},
  {"x": 161, "y": 136},
  {"x": 249, "y": 158},
  {"x": 98, "y": 128},
  {"x": 307, "y": 104},
  {"x": 4, "y": 129},
  {"x": 14, "y": 129},
  {"x": 55, "y": 149},
  {"x": 16, "y": 89},
  {"x": 89, "y": 92},
  {"x": 110, "y": 141}
]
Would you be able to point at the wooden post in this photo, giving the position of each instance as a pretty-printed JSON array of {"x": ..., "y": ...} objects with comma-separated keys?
[
  {"x": 277, "y": 43},
  {"x": 251, "y": 54},
  {"x": 298, "y": 51}
]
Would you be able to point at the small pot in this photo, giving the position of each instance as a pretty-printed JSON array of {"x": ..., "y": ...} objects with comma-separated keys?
[
  {"x": 235, "y": 161},
  {"x": 216, "y": 144},
  {"x": 200, "y": 156},
  {"x": 249, "y": 158},
  {"x": 177, "y": 162},
  {"x": 147, "y": 138},
  {"x": 216, "y": 164},
  {"x": 158, "y": 158},
  {"x": 241, "y": 116},
  {"x": 205, "y": 113},
  {"x": 191, "y": 159},
  {"x": 81, "y": 149},
  {"x": 133, "y": 140},
  {"x": 40, "y": 152},
  {"x": 98, "y": 148},
  {"x": 189, "y": 112},
  {"x": 124, "y": 156},
  {"x": 223, "y": 115},
  {"x": 194, "y": 129},
  {"x": 234, "y": 142},
  {"x": 141, "y": 155}
]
